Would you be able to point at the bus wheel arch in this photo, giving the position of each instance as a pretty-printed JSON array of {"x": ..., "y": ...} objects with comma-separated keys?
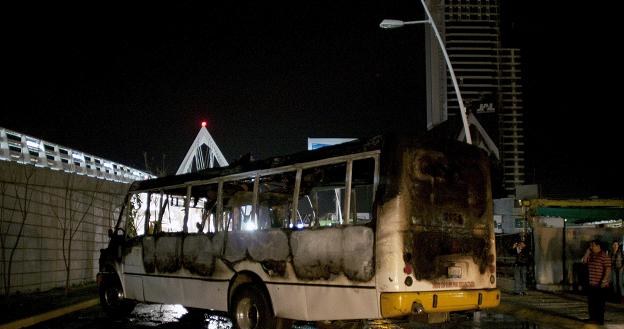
[
  {"x": 250, "y": 303},
  {"x": 112, "y": 295},
  {"x": 241, "y": 278},
  {"x": 251, "y": 308}
]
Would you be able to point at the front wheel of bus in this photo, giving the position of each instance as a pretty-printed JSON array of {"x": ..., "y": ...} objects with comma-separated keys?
[
  {"x": 112, "y": 298},
  {"x": 251, "y": 309}
]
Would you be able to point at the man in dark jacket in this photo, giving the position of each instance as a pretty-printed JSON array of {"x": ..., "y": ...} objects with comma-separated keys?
[{"x": 520, "y": 268}]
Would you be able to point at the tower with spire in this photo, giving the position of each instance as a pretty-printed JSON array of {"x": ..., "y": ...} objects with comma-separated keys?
[{"x": 202, "y": 154}]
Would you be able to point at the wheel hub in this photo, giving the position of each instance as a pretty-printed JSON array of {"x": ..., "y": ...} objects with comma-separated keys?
[
  {"x": 247, "y": 314},
  {"x": 113, "y": 296}
]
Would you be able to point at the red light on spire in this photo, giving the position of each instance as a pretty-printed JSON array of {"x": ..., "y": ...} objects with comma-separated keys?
[{"x": 204, "y": 123}]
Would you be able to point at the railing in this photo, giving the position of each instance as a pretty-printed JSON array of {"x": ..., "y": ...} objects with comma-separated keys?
[{"x": 25, "y": 149}]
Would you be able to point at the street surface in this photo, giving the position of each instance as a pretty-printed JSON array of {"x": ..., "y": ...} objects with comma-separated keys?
[{"x": 177, "y": 317}]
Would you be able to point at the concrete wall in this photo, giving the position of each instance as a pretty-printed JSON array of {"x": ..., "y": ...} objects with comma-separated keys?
[{"x": 53, "y": 202}]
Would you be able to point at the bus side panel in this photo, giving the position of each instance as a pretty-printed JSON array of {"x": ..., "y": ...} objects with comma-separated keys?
[
  {"x": 288, "y": 301},
  {"x": 341, "y": 303},
  {"x": 133, "y": 287},
  {"x": 211, "y": 295},
  {"x": 186, "y": 291},
  {"x": 177, "y": 287},
  {"x": 389, "y": 246},
  {"x": 133, "y": 265},
  {"x": 133, "y": 261},
  {"x": 314, "y": 303}
]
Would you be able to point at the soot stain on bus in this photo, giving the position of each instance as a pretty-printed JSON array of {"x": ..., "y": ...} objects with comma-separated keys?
[
  {"x": 447, "y": 209},
  {"x": 446, "y": 188},
  {"x": 314, "y": 254}
]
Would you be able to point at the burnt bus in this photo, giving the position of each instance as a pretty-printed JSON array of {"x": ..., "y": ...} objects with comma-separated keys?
[{"x": 380, "y": 228}]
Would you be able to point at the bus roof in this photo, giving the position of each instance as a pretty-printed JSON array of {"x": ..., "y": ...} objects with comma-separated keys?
[
  {"x": 245, "y": 165},
  {"x": 438, "y": 136}
]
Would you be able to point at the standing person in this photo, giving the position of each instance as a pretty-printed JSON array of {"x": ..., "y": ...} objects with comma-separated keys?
[
  {"x": 617, "y": 266},
  {"x": 520, "y": 268},
  {"x": 599, "y": 269}
]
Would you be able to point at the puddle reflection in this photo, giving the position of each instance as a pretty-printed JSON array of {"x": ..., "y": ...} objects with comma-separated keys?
[{"x": 177, "y": 315}]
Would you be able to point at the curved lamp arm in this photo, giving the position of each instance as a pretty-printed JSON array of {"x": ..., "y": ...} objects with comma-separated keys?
[{"x": 394, "y": 23}]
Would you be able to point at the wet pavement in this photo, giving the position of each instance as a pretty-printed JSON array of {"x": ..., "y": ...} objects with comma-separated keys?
[
  {"x": 562, "y": 310},
  {"x": 177, "y": 317}
]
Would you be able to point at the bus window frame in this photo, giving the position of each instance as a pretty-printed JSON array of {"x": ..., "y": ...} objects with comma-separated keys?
[{"x": 256, "y": 174}]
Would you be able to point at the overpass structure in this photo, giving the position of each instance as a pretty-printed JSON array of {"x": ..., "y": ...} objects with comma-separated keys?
[{"x": 21, "y": 148}]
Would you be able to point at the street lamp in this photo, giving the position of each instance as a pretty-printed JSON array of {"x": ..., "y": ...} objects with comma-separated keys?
[{"x": 394, "y": 23}]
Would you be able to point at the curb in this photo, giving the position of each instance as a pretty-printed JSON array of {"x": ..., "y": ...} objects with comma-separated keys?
[{"x": 30, "y": 321}]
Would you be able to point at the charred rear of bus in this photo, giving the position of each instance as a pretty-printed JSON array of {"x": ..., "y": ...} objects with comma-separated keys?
[
  {"x": 436, "y": 225},
  {"x": 448, "y": 209}
]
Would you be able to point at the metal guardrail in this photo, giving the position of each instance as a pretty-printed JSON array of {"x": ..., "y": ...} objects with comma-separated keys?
[{"x": 17, "y": 147}]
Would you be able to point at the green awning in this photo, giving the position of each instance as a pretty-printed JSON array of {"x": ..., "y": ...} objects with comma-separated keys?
[{"x": 582, "y": 215}]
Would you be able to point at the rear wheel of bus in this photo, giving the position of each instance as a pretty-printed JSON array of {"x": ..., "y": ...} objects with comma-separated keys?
[{"x": 251, "y": 309}]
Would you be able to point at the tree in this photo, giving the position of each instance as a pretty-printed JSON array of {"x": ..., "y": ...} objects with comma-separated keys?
[
  {"x": 158, "y": 170},
  {"x": 22, "y": 199},
  {"x": 70, "y": 215}
]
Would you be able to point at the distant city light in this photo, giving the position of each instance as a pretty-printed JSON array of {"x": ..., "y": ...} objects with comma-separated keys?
[{"x": 204, "y": 123}]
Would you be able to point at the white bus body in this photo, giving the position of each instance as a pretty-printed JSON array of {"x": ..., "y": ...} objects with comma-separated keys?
[{"x": 280, "y": 238}]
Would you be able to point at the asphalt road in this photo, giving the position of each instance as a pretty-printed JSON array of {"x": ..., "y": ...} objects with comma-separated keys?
[{"x": 177, "y": 317}]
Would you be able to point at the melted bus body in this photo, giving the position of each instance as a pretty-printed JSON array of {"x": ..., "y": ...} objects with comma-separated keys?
[{"x": 371, "y": 229}]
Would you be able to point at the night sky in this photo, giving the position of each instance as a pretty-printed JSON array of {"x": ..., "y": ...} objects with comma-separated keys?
[{"x": 118, "y": 80}]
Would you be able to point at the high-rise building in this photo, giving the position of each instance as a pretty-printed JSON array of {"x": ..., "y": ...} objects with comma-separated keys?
[{"x": 488, "y": 77}]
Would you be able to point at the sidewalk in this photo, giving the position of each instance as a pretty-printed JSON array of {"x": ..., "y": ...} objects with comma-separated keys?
[
  {"x": 554, "y": 309},
  {"x": 27, "y": 309}
]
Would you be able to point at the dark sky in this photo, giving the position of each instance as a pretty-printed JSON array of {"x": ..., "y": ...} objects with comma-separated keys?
[
  {"x": 572, "y": 78},
  {"x": 117, "y": 80}
]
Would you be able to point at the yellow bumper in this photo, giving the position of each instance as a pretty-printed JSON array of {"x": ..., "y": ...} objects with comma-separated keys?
[{"x": 397, "y": 304}]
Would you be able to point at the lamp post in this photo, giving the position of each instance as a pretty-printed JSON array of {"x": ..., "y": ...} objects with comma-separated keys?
[{"x": 393, "y": 23}]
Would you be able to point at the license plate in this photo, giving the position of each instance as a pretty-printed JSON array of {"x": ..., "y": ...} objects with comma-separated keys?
[{"x": 454, "y": 272}]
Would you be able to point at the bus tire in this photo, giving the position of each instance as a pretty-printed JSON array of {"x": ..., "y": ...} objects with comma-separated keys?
[
  {"x": 251, "y": 309},
  {"x": 112, "y": 298}
]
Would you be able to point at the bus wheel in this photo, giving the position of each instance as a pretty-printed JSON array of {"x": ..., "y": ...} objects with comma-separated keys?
[
  {"x": 112, "y": 298},
  {"x": 251, "y": 309}
]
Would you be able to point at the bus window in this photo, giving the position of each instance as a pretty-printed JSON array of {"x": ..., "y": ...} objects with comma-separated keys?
[
  {"x": 134, "y": 214},
  {"x": 157, "y": 207},
  {"x": 196, "y": 210},
  {"x": 321, "y": 196},
  {"x": 275, "y": 194},
  {"x": 202, "y": 209},
  {"x": 166, "y": 210},
  {"x": 238, "y": 204},
  {"x": 362, "y": 185},
  {"x": 175, "y": 221}
]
